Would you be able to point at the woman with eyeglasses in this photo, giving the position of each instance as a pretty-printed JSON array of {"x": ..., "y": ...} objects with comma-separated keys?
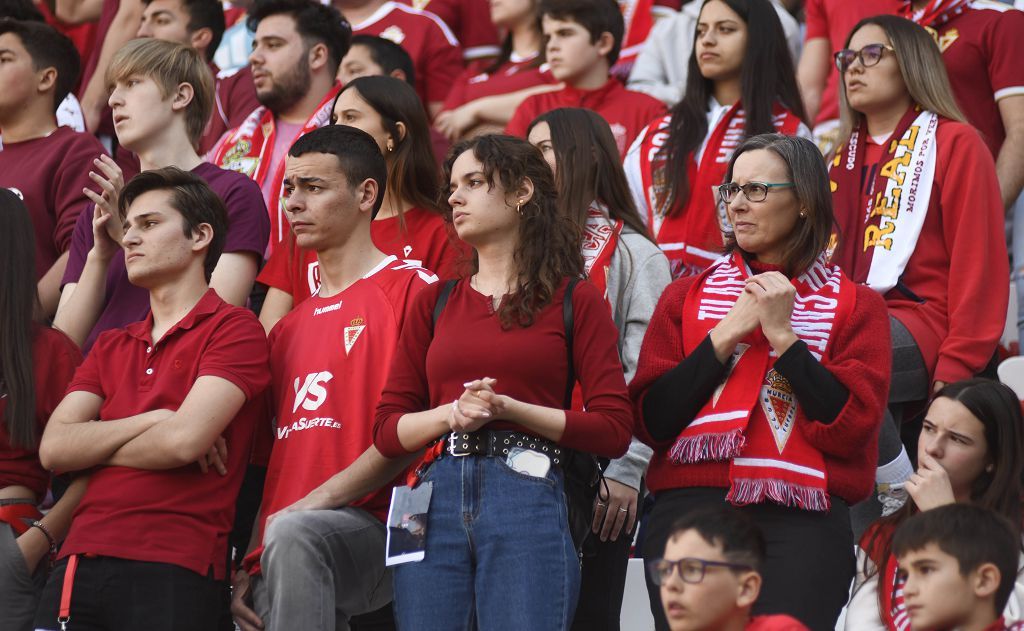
[
  {"x": 920, "y": 221},
  {"x": 968, "y": 452},
  {"x": 761, "y": 383},
  {"x": 740, "y": 83}
]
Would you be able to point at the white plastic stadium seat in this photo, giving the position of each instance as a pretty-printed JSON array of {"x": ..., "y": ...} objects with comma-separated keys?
[{"x": 1011, "y": 372}]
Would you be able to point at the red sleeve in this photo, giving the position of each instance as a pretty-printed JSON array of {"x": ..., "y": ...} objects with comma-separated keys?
[
  {"x": 524, "y": 115},
  {"x": 817, "y": 22},
  {"x": 442, "y": 65},
  {"x": 68, "y": 185},
  {"x": 605, "y": 427},
  {"x": 457, "y": 95},
  {"x": 661, "y": 350},
  {"x": 1006, "y": 50},
  {"x": 477, "y": 33},
  {"x": 861, "y": 360},
  {"x": 406, "y": 389},
  {"x": 277, "y": 273},
  {"x": 81, "y": 243},
  {"x": 239, "y": 97},
  {"x": 973, "y": 229},
  {"x": 56, "y": 360},
  {"x": 238, "y": 352},
  {"x": 88, "y": 376}
]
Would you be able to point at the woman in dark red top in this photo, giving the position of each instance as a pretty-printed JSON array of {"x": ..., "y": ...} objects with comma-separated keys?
[
  {"x": 36, "y": 364},
  {"x": 410, "y": 224},
  {"x": 489, "y": 380},
  {"x": 761, "y": 382}
]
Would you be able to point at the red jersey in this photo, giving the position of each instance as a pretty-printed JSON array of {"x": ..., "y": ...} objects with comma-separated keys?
[
  {"x": 54, "y": 359},
  {"x": 627, "y": 112},
  {"x": 833, "y": 20},
  {"x": 48, "y": 174},
  {"x": 178, "y": 516},
  {"x": 470, "y": 20},
  {"x": 425, "y": 241},
  {"x": 435, "y": 52},
  {"x": 778, "y": 622},
  {"x": 512, "y": 76},
  {"x": 234, "y": 99},
  {"x": 329, "y": 359},
  {"x": 983, "y": 47}
]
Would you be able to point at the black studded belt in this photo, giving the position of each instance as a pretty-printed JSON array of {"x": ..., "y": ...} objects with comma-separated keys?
[{"x": 498, "y": 443}]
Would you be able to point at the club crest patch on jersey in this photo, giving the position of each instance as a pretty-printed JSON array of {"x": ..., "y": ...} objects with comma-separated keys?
[
  {"x": 352, "y": 333},
  {"x": 779, "y": 406},
  {"x": 394, "y": 33}
]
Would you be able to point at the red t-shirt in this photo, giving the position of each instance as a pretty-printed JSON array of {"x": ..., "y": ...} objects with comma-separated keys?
[
  {"x": 468, "y": 342},
  {"x": 435, "y": 52},
  {"x": 627, "y": 112},
  {"x": 54, "y": 359},
  {"x": 425, "y": 241},
  {"x": 329, "y": 359},
  {"x": 778, "y": 622},
  {"x": 833, "y": 20},
  {"x": 234, "y": 99},
  {"x": 983, "y": 48},
  {"x": 178, "y": 516},
  {"x": 48, "y": 174},
  {"x": 512, "y": 76},
  {"x": 470, "y": 20}
]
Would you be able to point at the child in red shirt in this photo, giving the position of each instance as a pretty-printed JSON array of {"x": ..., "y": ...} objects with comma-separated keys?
[{"x": 583, "y": 42}]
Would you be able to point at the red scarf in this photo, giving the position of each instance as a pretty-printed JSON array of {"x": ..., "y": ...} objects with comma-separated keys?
[
  {"x": 692, "y": 236},
  {"x": 883, "y": 226},
  {"x": 753, "y": 419},
  {"x": 247, "y": 149},
  {"x": 600, "y": 238},
  {"x": 935, "y": 13}
]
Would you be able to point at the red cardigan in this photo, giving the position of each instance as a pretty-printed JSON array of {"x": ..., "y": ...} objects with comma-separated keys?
[
  {"x": 848, "y": 443},
  {"x": 430, "y": 367}
]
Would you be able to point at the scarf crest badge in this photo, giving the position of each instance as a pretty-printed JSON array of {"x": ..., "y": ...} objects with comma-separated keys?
[{"x": 779, "y": 405}]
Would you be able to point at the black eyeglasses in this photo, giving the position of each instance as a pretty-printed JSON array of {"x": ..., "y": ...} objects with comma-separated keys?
[
  {"x": 690, "y": 570},
  {"x": 753, "y": 191},
  {"x": 869, "y": 56}
]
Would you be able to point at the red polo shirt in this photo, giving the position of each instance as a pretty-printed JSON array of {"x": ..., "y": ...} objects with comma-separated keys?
[
  {"x": 178, "y": 516},
  {"x": 471, "y": 22},
  {"x": 627, "y": 112}
]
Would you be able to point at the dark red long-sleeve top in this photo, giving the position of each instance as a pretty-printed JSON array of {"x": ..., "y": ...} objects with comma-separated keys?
[
  {"x": 859, "y": 359},
  {"x": 468, "y": 342}
]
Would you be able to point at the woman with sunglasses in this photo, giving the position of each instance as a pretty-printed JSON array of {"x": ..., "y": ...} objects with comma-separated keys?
[
  {"x": 761, "y": 382},
  {"x": 740, "y": 83},
  {"x": 920, "y": 221},
  {"x": 410, "y": 224},
  {"x": 968, "y": 452}
]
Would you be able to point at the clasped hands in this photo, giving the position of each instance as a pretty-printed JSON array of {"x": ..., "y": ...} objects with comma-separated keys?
[
  {"x": 478, "y": 405},
  {"x": 766, "y": 301}
]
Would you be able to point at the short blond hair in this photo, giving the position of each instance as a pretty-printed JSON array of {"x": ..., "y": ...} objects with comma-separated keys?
[{"x": 168, "y": 64}]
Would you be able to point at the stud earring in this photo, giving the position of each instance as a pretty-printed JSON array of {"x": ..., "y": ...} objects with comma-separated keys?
[{"x": 391, "y": 146}]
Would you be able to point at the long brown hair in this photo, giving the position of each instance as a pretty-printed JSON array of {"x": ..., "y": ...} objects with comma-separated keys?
[
  {"x": 548, "y": 244},
  {"x": 18, "y": 310},
  {"x": 412, "y": 168},
  {"x": 921, "y": 66}
]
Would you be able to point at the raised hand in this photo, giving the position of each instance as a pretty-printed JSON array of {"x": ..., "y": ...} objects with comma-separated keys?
[{"x": 929, "y": 486}]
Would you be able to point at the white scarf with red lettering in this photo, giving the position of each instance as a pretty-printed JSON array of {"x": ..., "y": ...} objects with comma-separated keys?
[
  {"x": 600, "y": 238},
  {"x": 935, "y": 13},
  {"x": 247, "y": 150},
  {"x": 753, "y": 419}
]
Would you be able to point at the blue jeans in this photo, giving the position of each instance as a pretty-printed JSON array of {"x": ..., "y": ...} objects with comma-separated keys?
[{"x": 499, "y": 554}]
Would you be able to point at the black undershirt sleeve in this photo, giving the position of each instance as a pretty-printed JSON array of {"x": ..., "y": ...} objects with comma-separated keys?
[
  {"x": 674, "y": 399},
  {"x": 820, "y": 394}
]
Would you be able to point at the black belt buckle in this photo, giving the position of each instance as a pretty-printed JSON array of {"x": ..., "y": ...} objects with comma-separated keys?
[{"x": 453, "y": 448}]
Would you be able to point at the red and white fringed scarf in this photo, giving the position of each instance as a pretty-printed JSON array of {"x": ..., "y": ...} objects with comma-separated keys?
[
  {"x": 882, "y": 227},
  {"x": 691, "y": 235},
  {"x": 753, "y": 418},
  {"x": 935, "y": 13},
  {"x": 600, "y": 238},
  {"x": 247, "y": 150}
]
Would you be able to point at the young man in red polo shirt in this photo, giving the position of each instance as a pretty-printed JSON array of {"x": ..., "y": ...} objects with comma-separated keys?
[
  {"x": 200, "y": 24},
  {"x": 41, "y": 162},
  {"x": 148, "y": 543},
  {"x": 298, "y": 47},
  {"x": 583, "y": 42},
  {"x": 319, "y": 556}
]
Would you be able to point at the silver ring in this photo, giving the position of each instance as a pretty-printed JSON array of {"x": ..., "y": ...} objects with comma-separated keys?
[
  {"x": 602, "y": 504},
  {"x": 623, "y": 510}
]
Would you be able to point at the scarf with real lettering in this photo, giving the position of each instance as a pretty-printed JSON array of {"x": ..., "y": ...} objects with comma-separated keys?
[
  {"x": 247, "y": 149},
  {"x": 692, "y": 237},
  {"x": 935, "y": 13},
  {"x": 600, "y": 238},
  {"x": 753, "y": 418},
  {"x": 881, "y": 227}
]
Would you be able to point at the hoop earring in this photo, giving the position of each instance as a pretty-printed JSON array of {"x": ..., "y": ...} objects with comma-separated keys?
[{"x": 519, "y": 208}]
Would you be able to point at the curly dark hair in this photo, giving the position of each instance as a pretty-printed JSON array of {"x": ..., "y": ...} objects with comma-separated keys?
[{"x": 548, "y": 243}]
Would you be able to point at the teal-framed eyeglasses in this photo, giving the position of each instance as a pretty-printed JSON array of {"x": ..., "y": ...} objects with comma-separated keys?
[{"x": 753, "y": 191}]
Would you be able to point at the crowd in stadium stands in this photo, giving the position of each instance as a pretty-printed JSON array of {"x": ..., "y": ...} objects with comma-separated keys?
[{"x": 433, "y": 314}]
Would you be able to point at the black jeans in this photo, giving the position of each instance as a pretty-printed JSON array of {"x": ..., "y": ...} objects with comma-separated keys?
[
  {"x": 602, "y": 582},
  {"x": 112, "y": 594},
  {"x": 809, "y": 556}
]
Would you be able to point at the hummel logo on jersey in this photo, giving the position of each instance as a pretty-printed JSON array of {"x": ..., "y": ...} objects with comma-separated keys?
[
  {"x": 312, "y": 394},
  {"x": 352, "y": 332},
  {"x": 327, "y": 309}
]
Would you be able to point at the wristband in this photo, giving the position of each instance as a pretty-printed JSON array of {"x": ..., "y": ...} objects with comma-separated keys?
[{"x": 49, "y": 538}]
